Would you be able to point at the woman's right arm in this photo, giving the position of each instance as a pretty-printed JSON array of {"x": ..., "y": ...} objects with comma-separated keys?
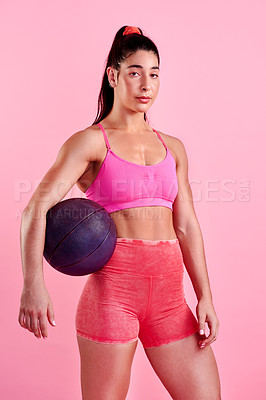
[{"x": 72, "y": 161}]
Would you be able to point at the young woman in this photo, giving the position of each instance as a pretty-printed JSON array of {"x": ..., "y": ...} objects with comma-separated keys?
[{"x": 140, "y": 176}]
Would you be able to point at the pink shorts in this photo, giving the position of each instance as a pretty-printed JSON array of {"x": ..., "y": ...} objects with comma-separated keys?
[{"x": 138, "y": 294}]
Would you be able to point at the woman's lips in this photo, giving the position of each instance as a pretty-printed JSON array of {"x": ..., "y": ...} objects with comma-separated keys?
[{"x": 143, "y": 99}]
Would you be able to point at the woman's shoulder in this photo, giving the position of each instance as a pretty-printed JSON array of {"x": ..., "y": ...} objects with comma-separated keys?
[
  {"x": 88, "y": 133},
  {"x": 168, "y": 137},
  {"x": 91, "y": 131},
  {"x": 85, "y": 141},
  {"x": 87, "y": 136},
  {"x": 175, "y": 145}
]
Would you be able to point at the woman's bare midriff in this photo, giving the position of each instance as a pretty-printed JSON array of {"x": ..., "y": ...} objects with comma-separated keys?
[{"x": 152, "y": 223}]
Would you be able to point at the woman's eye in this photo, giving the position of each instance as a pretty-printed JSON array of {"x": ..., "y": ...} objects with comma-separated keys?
[{"x": 154, "y": 75}]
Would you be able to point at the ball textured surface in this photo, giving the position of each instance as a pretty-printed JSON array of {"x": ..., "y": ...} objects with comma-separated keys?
[{"x": 80, "y": 236}]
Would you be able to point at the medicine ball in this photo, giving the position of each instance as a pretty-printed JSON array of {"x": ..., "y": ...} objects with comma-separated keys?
[{"x": 80, "y": 236}]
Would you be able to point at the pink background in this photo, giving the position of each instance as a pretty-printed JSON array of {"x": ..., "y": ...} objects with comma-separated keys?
[{"x": 212, "y": 97}]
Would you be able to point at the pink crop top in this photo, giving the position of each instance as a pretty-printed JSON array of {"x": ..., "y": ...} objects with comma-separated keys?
[{"x": 122, "y": 184}]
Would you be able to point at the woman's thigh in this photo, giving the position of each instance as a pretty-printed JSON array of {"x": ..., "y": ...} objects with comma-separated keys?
[
  {"x": 105, "y": 369},
  {"x": 187, "y": 371}
]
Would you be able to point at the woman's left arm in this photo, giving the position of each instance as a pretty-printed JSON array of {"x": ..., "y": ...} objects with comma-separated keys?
[{"x": 189, "y": 234}]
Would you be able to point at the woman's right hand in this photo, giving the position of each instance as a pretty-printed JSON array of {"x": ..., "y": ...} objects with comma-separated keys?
[{"x": 35, "y": 306}]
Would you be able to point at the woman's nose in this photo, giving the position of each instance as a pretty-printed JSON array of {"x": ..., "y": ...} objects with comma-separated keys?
[{"x": 145, "y": 84}]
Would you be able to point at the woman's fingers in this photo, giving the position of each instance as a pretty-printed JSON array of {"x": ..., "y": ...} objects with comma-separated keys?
[
  {"x": 50, "y": 314},
  {"x": 202, "y": 320},
  {"x": 35, "y": 325},
  {"x": 27, "y": 321},
  {"x": 21, "y": 319},
  {"x": 214, "y": 327},
  {"x": 35, "y": 308},
  {"x": 43, "y": 325},
  {"x": 207, "y": 314}
]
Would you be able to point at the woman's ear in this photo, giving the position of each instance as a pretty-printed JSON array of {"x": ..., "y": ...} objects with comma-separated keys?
[{"x": 112, "y": 76}]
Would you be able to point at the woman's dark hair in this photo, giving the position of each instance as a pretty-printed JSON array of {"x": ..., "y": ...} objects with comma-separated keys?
[{"x": 123, "y": 46}]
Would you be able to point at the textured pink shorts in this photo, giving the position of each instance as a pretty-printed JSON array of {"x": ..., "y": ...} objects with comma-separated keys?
[{"x": 138, "y": 294}]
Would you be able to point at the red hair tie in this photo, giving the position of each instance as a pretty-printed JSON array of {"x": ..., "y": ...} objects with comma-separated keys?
[{"x": 131, "y": 29}]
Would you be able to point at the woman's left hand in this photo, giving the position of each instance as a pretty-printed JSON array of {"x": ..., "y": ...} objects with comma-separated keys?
[{"x": 206, "y": 313}]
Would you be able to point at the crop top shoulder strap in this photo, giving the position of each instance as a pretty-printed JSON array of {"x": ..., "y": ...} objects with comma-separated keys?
[
  {"x": 107, "y": 141},
  {"x": 105, "y": 136},
  {"x": 160, "y": 137}
]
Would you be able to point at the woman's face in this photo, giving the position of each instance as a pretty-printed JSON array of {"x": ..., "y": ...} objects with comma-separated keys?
[{"x": 139, "y": 76}]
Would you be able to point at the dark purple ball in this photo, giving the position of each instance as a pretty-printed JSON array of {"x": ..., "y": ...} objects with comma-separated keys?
[{"x": 80, "y": 236}]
